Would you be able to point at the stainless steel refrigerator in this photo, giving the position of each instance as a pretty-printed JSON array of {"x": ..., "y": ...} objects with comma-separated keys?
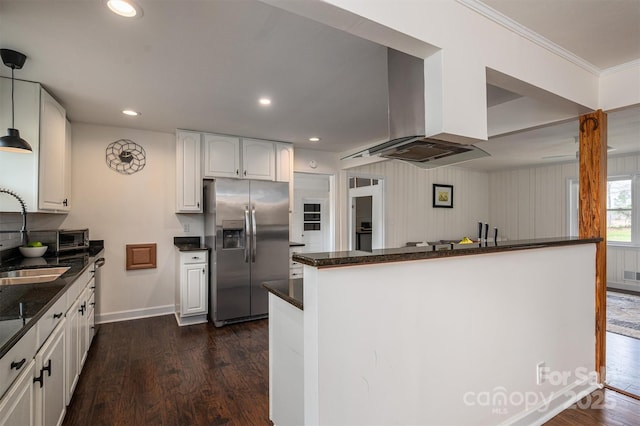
[{"x": 247, "y": 224}]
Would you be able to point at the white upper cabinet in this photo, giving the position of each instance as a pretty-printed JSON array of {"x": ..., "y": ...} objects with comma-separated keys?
[
  {"x": 284, "y": 162},
  {"x": 258, "y": 160},
  {"x": 243, "y": 158},
  {"x": 53, "y": 155},
  {"x": 188, "y": 176},
  {"x": 221, "y": 156},
  {"x": 42, "y": 177}
]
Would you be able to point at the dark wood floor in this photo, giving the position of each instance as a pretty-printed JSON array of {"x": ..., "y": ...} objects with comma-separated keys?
[
  {"x": 623, "y": 363},
  {"x": 152, "y": 372},
  {"x": 601, "y": 408}
]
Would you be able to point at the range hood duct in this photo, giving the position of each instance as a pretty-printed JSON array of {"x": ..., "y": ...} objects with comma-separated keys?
[{"x": 407, "y": 121}]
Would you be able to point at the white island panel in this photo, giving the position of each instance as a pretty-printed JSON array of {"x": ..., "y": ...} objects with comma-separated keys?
[{"x": 449, "y": 340}]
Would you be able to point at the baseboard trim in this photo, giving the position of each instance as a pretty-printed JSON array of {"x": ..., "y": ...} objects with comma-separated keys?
[
  {"x": 560, "y": 401},
  {"x": 623, "y": 286},
  {"x": 135, "y": 314}
]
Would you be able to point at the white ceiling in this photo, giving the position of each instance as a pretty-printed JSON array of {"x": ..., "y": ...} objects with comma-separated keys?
[{"x": 202, "y": 65}]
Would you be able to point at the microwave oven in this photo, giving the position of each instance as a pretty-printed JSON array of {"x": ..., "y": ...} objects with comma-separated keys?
[{"x": 62, "y": 240}]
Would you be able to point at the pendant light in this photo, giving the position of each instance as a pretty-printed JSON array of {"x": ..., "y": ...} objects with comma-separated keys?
[{"x": 13, "y": 142}]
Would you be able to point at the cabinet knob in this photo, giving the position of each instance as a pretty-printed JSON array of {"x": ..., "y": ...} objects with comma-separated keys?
[
  {"x": 47, "y": 368},
  {"x": 65, "y": 202},
  {"x": 39, "y": 379},
  {"x": 237, "y": 172},
  {"x": 56, "y": 316},
  {"x": 245, "y": 172}
]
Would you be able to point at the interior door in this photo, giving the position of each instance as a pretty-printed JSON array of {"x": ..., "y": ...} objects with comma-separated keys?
[{"x": 315, "y": 224}]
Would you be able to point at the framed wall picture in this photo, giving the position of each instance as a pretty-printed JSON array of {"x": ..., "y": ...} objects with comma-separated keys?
[{"x": 442, "y": 195}]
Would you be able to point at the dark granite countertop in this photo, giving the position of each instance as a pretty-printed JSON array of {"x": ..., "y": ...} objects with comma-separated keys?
[
  {"x": 356, "y": 257},
  {"x": 189, "y": 244},
  {"x": 288, "y": 290},
  {"x": 37, "y": 298},
  {"x": 294, "y": 244}
]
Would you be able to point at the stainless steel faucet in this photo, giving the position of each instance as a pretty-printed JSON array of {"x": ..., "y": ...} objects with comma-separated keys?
[{"x": 23, "y": 231}]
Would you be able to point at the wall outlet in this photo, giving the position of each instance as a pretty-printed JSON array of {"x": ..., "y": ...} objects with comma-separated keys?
[
  {"x": 186, "y": 227},
  {"x": 541, "y": 373}
]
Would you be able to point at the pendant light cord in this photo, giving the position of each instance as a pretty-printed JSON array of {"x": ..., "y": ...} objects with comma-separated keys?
[{"x": 13, "y": 113}]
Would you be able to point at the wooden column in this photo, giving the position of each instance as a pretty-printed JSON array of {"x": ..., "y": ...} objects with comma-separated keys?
[{"x": 593, "y": 215}]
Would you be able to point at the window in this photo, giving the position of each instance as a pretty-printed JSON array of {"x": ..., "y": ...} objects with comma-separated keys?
[
  {"x": 623, "y": 209},
  {"x": 619, "y": 210},
  {"x": 312, "y": 216}
]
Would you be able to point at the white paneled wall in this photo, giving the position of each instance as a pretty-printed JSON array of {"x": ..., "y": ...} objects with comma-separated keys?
[
  {"x": 533, "y": 203},
  {"x": 409, "y": 214}
]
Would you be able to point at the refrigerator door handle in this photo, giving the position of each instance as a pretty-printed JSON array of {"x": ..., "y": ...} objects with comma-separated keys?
[
  {"x": 253, "y": 233},
  {"x": 247, "y": 227}
]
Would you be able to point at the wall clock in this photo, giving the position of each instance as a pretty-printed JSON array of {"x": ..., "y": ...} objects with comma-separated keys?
[{"x": 125, "y": 156}]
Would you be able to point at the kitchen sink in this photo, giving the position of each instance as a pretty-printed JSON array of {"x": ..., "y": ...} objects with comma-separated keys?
[{"x": 32, "y": 275}]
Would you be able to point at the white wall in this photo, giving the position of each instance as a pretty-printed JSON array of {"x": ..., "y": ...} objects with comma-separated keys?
[
  {"x": 128, "y": 209},
  {"x": 409, "y": 215},
  {"x": 533, "y": 203},
  {"x": 435, "y": 348}
]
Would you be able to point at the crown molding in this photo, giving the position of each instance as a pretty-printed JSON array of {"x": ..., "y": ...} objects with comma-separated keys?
[
  {"x": 519, "y": 29},
  {"x": 622, "y": 67}
]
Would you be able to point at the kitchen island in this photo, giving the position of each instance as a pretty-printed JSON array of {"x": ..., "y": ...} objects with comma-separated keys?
[{"x": 419, "y": 336}]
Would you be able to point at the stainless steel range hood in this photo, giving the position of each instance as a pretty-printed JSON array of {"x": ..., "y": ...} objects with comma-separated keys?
[{"x": 407, "y": 121}]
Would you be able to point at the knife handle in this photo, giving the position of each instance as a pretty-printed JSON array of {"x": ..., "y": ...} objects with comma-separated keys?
[
  {"x": 486, "y": 231},
  {"x": 495, "y": 235},
  {"x": 479, "y": 231}
]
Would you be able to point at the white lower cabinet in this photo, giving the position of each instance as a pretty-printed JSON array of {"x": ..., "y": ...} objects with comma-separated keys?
[
  {"x": 72, "y": 350},
  {"x": 40, "y": 372},
  {"x": 49, "y": 380},
  {"x": 17, "y": 407},
  {"x": 295, "y": 268},
  {"x": 192, "y": 285}
]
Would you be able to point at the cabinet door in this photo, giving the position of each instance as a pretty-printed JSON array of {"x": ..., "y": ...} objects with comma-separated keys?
[
  {"x": 188, "y": 179},
  {"x": 258, "y": 160},
  {"x": 17, "y": 407},
  {"x": 284, "y": 162},
  {"x": 53, "y": 159},
  {"x": 66, "y": 203},
  {"x": 221, "y": 156},
  {"x": 193, "y": 294},
  {"x": 50, "y": 396},
  {"x": 84, "y": 331},
  {"x": 72, "y": 344}
]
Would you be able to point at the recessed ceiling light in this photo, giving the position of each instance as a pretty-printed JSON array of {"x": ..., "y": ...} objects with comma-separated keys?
[
  {"x": 126, "y": 8},
  {"x": 130, "y": 112},
  {"x": 314, "y": 139},
  {"x": 264, "y": 101}
]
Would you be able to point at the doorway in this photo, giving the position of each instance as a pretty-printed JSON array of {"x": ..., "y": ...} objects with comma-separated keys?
[
  {"x": 312, "y": 221},
  {"x": 622, "y": 369},
  {"x": 366, "y": 213}
]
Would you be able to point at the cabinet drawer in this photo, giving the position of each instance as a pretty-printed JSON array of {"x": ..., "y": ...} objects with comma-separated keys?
[
  {"x": 294, "y": 264},
  {"x": 78, "y": 286},
  {"x": 188, "y": 257},
  {"x": 53, "y": 317},
  {"x": 12, "y": 364},
  {"x": 295, "y": 272}
]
